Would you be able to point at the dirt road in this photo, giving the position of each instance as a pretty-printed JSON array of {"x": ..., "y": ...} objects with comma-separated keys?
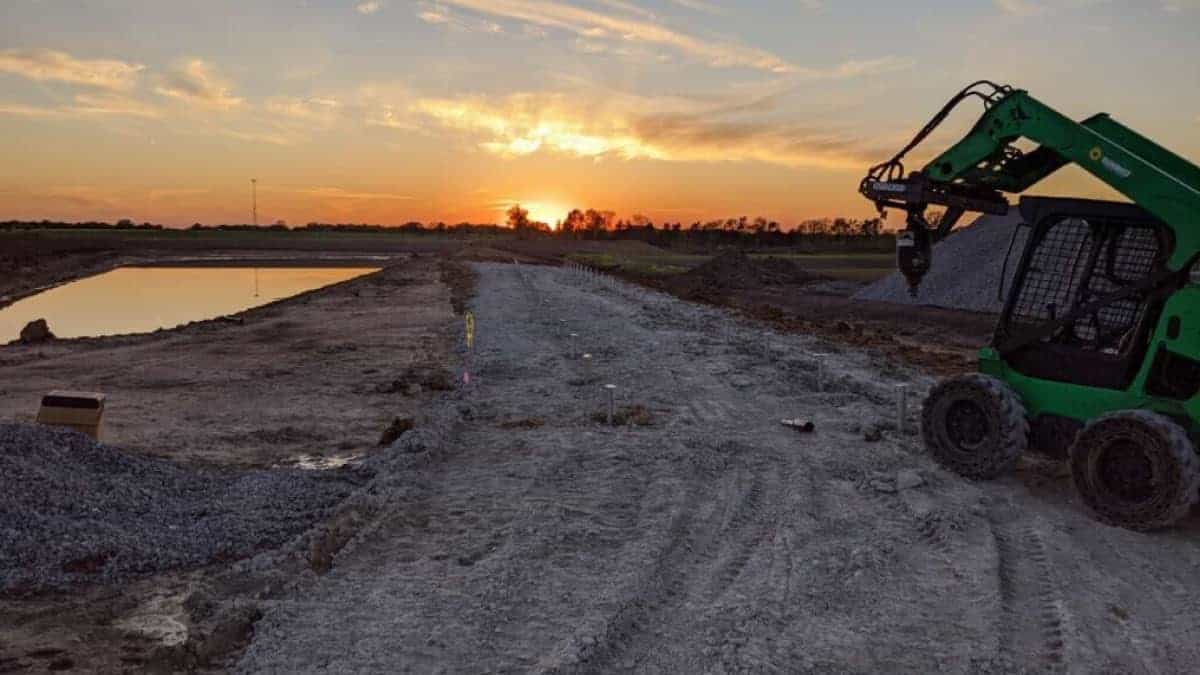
[{"x": 714, "y": 539}]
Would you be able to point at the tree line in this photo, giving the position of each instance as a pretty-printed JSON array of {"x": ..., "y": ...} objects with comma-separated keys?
[
  {"x": 597, "y": 222},
  {"x": 586, "y": 224},
  {"x": 594, "y": 224}
]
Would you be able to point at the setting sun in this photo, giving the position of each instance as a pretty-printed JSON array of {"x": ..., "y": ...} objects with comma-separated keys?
[{"x": 550, "y": 213}]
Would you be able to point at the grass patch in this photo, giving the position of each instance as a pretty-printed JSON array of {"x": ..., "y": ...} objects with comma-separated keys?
[{"x": 653, "y": 265}]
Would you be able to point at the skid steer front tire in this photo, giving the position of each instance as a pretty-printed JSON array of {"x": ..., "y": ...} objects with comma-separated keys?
[
  {"x": 975, "y": 426},
  {"x": 1135, "y": 469}
]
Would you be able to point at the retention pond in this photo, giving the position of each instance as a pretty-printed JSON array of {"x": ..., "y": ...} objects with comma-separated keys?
[{"x": 145, "y": 299}]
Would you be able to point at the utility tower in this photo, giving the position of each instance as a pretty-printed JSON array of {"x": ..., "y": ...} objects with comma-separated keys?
[{"x": 254, "y": 201}]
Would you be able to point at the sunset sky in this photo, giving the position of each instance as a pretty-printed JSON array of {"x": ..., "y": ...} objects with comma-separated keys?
[{"x": 385, "y": 111}]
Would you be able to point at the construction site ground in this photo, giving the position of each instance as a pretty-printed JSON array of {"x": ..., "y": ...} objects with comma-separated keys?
[
  {"x": 704, "y": 536},
  {"x": 524, "y": 533}
]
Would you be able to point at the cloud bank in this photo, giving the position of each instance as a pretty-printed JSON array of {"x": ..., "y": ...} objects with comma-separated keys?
[{"x": 44, "y": 65}]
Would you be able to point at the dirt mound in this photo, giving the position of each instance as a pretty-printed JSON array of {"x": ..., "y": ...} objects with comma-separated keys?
[
  {"x": 79, "y": 511},
  {"x": 737, "y": 271}
]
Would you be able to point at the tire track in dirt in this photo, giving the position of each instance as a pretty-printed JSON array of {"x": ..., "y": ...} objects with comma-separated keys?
[
  {"x": 747, "y": 528},
  {"x": 1035, "y": 622},
  {"x": 654, "y": 595},
  {"x": 712, "y": 540}
]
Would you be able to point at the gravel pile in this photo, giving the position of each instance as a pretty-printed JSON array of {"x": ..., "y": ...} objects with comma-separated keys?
[
  {"x": 966, "y": 269},
  {"x": 73, "y": 510}
]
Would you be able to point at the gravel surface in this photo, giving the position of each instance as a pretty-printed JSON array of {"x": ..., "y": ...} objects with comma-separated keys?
[
  {"x": 76, "y": 511},
  {"x": 966, "y": 269},
  {"x": 713, "y": 539}
]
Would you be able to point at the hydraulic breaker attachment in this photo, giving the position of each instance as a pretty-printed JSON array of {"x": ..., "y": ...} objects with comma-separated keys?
[
  {"x": 914, "y": 252},
  {"x": 914, "y": 245},
  {"x": 976, "y": 172}
]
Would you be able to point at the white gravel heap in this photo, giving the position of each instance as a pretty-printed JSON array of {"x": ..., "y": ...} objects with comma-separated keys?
[
  {"x": 966, "y": 269},
  {"x": 73, "y": 510}
]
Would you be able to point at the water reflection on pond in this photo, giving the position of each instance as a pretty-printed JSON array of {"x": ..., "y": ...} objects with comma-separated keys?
[{"x": 143, "y": 299}]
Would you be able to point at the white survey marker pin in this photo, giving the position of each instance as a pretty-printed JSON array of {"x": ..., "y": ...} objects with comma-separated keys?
[{"x": 821, "y": 371}]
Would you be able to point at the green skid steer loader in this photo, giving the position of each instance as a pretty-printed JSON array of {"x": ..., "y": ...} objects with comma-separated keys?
[{"x": 1096, "y": 356}]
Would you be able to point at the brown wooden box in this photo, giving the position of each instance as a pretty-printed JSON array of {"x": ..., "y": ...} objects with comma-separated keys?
[{"x": 80, "y": 410}]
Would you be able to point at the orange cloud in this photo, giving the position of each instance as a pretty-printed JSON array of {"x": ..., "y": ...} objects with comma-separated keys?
[
  {"x": 525, "y": 124},
  {"x": 628, "y": 8},
  {"x": 316, "y": 111},
  {"x": 86, "y": 105},
  {"x": 44, "y": 65},
  {"x": 588, "y": 23},
  {"x": 700, "y": 6},
  {"x": 439, "y": 15},
  {"x": 197, "y": 82}
]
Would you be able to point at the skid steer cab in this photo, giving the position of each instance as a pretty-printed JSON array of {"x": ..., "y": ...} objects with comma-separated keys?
[{"x": 1096, "y": 355}]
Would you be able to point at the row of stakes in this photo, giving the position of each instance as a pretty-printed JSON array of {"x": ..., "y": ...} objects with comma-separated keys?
[
  {"x": 591, "y": 274},
  {"x": 902, "y": 390},
  {"x": 610, "y": 389}
]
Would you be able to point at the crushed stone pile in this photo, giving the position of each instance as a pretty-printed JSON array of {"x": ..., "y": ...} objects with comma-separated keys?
[
  {"x": 966, "y": 269},
  {"x": 737, "y": 271},
  {"x": 73, "y": 510}
]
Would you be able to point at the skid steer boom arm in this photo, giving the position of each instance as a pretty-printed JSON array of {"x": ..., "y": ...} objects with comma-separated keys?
[{"x": 974, "y": 172}]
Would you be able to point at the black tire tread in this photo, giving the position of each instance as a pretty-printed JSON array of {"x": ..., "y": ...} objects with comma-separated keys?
[
  {"x": 1180, "y": 447},
  {"x": 1014, "y": 426}
]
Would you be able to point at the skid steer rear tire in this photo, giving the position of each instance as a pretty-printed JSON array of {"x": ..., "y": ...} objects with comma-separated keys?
[
  {"x": 975, "y": 426},
  {"x": 1135, "y": 469}
]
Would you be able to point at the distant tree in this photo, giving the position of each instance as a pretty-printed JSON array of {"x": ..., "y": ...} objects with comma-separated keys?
[
  {"x": 596, "y": 222},
  {"x": 573, "y": 223},
  {"x": 870, "y": 227},
  {"x": 518, "y": 218}
]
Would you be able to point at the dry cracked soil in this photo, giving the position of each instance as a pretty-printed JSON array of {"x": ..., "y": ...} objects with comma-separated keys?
[{"x": 704, "y": 536}]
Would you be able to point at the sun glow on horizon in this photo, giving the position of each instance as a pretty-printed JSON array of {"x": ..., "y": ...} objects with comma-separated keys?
[
  {"x": 680, "y": 111},
  {"x": 540, "y": 211}
]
